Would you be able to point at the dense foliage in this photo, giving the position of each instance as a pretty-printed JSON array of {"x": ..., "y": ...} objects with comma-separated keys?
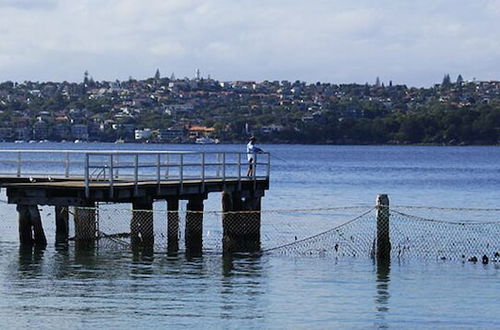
[{"x": 434, "y": 125}]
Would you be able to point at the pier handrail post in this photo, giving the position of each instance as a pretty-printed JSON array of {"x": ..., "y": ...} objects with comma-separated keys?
[
  {"x": 239, "y": 171},
  {"x": 136, "y": 173},
  {"x": 203, "y": 172},
  {"x": 158, "y": 170},
  {"x": 181, "y": 173},
  {"x": 254, "y": 172},
  {"x": 111, "y": 176},
  {"x": 66, "y": 165},
  {"x": 167, "y": 171},
  {"x": 268, "y": 170},
  {"x": 217, "y": 172},
  {"x": 117, "y": 159},
  {"x": 383, "y": 237},
  {"x": 19, "y": 164},
  {"x": 224, "y": 168},
  {"x": 86, "y": 170}
]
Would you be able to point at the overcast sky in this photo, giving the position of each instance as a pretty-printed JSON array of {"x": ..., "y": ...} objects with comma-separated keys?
[{"x": 408, "y": 42}]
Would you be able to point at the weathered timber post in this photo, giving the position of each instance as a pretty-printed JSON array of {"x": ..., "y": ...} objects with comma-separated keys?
[
  {"x": 383, "y": 238},
  {"x": 228, "y": 222},
  {"x": 25, "y": 232},
  {"x": 173, "y": 225},
  {"x": 30, "y": 226},
  {"x": 36, "y": 221},
  {"x": 62, "y": 224},
  {"x": 135, "y": 237},
  {"x": 194, "y": 226},
  {"x": 85, "y": 224},
  {"x": 141, "y": 225},
  {"x": 241, "y": 223},
  {"x": 252, "y": 221}
]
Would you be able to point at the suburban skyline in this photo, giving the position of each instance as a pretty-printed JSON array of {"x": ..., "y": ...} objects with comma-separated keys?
[{"x": 412, "y": 43}]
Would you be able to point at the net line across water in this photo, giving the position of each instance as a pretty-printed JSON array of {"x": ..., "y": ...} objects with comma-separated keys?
[
  {"x": 337, "y": 232},
  {"x": 414, "y": 231}
]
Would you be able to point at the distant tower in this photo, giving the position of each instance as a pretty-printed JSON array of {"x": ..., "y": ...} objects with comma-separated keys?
[
  {"x": 197, "y": 74},
  {"x": 86, "y": 77},
  {"x": 172, "y": 77},
  {"x": 157, "y": 74}
]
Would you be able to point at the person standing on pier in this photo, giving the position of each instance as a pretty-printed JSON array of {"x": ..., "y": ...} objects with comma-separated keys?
[{"x": 252, "y": 150}]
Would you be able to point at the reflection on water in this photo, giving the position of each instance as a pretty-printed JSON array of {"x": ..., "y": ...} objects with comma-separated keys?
[
  {"x": 84, "y": 283},
  {"x": 382, "y": 296},
  {"x": 110, "y": 289},
  {"x": 30, "y": 260},
  {"x": 242, "y": 276}
]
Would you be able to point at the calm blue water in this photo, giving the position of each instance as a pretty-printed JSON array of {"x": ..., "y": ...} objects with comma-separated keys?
[{"x": 110, "y": 289}]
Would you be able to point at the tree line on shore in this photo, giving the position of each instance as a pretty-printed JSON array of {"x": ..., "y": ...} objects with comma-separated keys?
[{"x": 441, "y": 125}]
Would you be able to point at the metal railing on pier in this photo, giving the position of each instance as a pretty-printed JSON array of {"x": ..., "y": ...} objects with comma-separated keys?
[{"x": 114, "y": 167}]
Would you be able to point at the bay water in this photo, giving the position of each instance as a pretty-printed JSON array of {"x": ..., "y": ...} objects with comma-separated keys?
[{"x": 64, "y": 288}]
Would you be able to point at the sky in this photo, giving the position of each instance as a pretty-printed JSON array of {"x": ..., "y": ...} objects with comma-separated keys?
[{"x": 338, "y": 41}]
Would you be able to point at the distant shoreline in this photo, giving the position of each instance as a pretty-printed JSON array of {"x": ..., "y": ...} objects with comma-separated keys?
[{"x": 262, "y": 142}]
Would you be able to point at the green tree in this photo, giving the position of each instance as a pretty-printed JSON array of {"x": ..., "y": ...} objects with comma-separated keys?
[{"x": 446, "y": 81}]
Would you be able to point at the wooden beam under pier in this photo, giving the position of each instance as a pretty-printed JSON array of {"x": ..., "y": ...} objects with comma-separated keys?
[{"x": 72, "y": 193}]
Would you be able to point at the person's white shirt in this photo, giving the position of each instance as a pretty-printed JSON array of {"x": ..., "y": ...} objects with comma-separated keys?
[{"x": 252, "y": 149}]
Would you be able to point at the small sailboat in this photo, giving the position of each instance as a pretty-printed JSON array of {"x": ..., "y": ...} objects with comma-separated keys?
[{"x": 205, "y": 140}]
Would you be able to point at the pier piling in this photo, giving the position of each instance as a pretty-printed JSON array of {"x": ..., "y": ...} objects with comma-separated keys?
[
  {"x": 383, "y": 238},
  {"x": 85, "y": 224},
  {"x": 252, "y": 237},
  {"x": 36, "y": 221},
  {"x": 30, "y": 226},
  {"x": 194, "y": 226},
  {"x": 228, "y": 224},
  {"x": 142, "y": 230},
  {"x": 241, "y": 223},
  {"x": 25, "y": 231},
  {"x": 62, "y": 224},
  {"x": 173, "y": 225}
]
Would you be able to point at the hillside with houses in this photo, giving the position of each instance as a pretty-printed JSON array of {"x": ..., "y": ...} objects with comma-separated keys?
[{"x": 171, "y": 110}]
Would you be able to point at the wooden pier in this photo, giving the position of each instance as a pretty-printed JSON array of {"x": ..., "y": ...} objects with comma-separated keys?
[{"x": 84, "y": 178}]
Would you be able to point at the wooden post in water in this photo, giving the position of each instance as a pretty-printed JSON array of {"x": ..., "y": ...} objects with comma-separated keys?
[
  {"x": 173, "y": 225},
  {"x": 228, "y": 223},
  {"x": 85, "y": 225},
  {"x": 241, "y": 230},
  {"x": 30, "y": 226},
  {"x": 142, "y": 222},
  {"x": 62, "y": 224},
  {"x": 194, "y": 226},
  {"x": 25, "y": 232},
  {"x": 383, "y": 238},
  {"x": 251, "y": 238},
  {"x": 36, "y": 221},
  {"x": 135, "y": 237}
]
